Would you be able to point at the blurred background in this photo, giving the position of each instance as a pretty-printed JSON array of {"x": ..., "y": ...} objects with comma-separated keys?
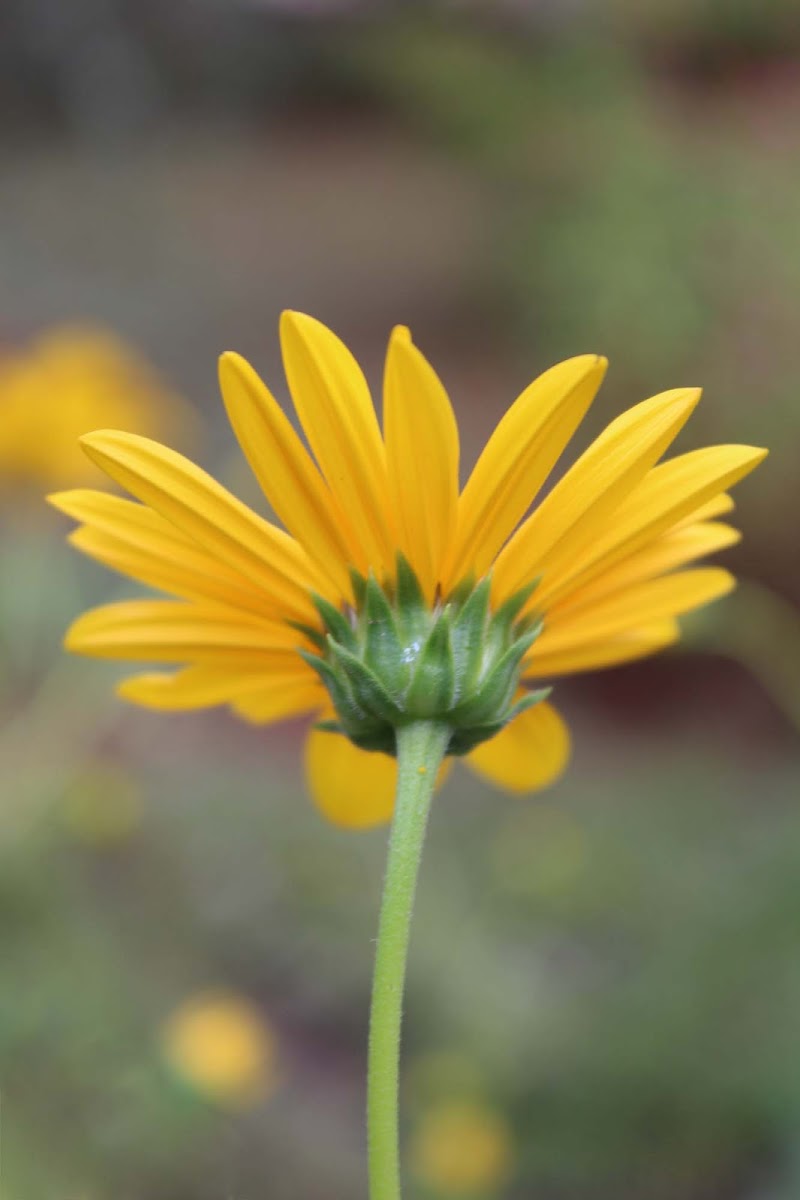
[{"x": 605, "y": 981}]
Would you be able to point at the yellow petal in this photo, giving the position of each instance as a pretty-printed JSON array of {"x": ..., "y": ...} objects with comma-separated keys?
[
  {"x": 674, "y": 549},
  {"x": 169, "y": 631},
  {"x": 518, "y": 458},
  {"x": 579, "y": 506},
  {"x": 203, "y": 510},
  {"x": 351, "y": 787},
  {"x": 670, "y": 492},
  {"x": 138, "y": 542},
  {"x": 202, "y": 686},
  {"x": 607, "y": 652},
  {"x": 335, "y": 409},
  {"x": 653, "y": 600},
  {"x": 288, "y": 477},
  {"x": 183, "y": 574},
  {"x": 422, "y": 458},
  {"x": 281, "y": 696},
  {"x": 528, "y": 754},
  {"x": 719, "y": 506}
]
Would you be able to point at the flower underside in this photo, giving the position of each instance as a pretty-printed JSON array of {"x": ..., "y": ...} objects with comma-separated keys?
[
  {"x": 393, "y": 659},
  {"x": 392, "y": 594}
]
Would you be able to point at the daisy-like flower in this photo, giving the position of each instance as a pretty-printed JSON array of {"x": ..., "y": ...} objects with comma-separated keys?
[{"x": 389, "y": 596}]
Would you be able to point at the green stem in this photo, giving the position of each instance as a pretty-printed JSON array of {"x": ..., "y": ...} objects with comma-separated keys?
[{"x": 420, "y": 749}]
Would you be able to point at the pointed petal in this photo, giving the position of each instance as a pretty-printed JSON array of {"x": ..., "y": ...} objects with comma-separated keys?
[
  {"x": 674, "y": 549},
  {"x": 351, "y": 787},
  {"x": 183, "y": 574},
  {"x": 169, "y": 631},
  {"x": 607, "y": 652},
  {"x": 204, "y": 511},
  {"x": 719, "y": 506},
  {"x": 422, "y": 458},
  {"x": 653, "y": 600},
  {"x": 579, "y": 506},
  {"x": 141, "y": 544},
  {"x": 528, "y": 754},
  {"x": 334, "y": 406},
  {"x": 280, "y": 697},
  {"x": 201, "y": 686},
  {"x": 280, "y": 463},
  {"x": 517, "y": 459},
  {"x": 683, "y": 487}
]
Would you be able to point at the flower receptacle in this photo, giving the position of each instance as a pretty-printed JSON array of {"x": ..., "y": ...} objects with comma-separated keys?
[{"x": 391, "y": 659}]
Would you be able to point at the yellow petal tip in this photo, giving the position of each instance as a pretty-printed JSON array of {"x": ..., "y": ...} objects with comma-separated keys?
[
  {"x": 691, "y": 396},
  {"x": 90, "y": 439},
  {"x": 294, "y": 320},
  {"x": 59, "y": 501},
  {"x": 401, "y": 335},
  {"x": 229, "y": 358},
  {"x": 103, "y": 439},
  {"x": 230, "y": 364}
]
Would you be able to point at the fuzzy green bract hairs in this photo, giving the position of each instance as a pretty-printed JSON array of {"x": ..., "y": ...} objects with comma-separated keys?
[{"x": 392, "y": 659}]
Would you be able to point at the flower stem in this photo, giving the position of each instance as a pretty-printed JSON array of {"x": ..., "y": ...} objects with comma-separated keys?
[{"x": 420, "y": 750}]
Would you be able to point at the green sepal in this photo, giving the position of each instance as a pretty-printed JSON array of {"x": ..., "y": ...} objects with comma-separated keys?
[
  {"x": 501, "y": 627},
  {"x": 412, "y": 611},
  {"x": 381, "y": 641},
  {"x": 359, "y": 585},
  {"x": 458, "y": 597},
  {"x": 432, "y": 686},
  {"x": 335, "y": 622},
  {"x": 313, "y": 635},
  {"x": 496, "y": 690},
  {"x": 367, "y": 688},
  {"x": 464, "y": 740},
  {"x": 330, "y": 727},
  {"x": 345, "y": 703},
  {"x": 468, "y": 632},
  {"x": 528, "y": 701},
  {"x": 383, "y": 739},
  {"x": 508, "y": 612}
]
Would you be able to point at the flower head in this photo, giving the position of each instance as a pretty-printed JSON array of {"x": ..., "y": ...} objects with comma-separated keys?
[{"x": 389, "y": 592}]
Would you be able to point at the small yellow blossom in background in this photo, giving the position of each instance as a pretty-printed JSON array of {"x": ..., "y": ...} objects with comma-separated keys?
[
  {"x": 220, "y": 1044},
  {"x": 462, "y": 1148},
  {"x": 101, "y": 805},
  {"x": 64, "y": 384}
]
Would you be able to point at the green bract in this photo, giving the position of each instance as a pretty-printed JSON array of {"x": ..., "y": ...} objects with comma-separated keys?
[{"x": 392, "y": 659}]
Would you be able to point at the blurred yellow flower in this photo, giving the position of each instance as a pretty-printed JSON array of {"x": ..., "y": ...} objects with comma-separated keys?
[
  {"x": 64, "y": 384},
  {"x": 220, "y": 1044},
  {"x": 101, "y": 805},
  {"x": 462, "y": 1149}
]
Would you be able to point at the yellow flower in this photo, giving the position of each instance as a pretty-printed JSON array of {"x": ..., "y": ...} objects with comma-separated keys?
[
  {"x": 63, "y": 385},
  {"x": 608, "y": 544},
  {"x": 462, "y": 1148},
  {"x": 220, "y": 1044}
]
